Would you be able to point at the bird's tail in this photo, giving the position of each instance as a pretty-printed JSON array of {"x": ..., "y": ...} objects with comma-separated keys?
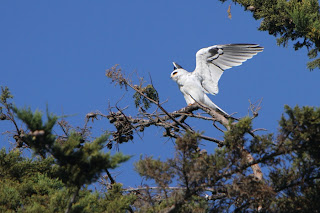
[{"x": 210, "y": 104}]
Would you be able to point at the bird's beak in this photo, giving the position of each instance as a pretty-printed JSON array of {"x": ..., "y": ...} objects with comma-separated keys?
[{"x": 176, "y": 66}]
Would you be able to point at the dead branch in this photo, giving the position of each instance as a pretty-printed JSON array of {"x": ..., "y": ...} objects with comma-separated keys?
[
  {"x": 164, "y": 188},
  {"x": 255, "y": 108},
  {"x": 170, "y": 122}
]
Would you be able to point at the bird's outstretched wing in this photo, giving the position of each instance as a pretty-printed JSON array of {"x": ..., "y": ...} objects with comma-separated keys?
[{"x": 212, "y": 61}]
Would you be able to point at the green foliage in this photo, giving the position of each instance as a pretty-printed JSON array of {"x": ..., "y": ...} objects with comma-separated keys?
[
  {"x": 5, "y": 95},
  {"x": 61, "y": 166},
  {"x": 79, "y": 163},
  {"x": 112, "y": 201},
  {"x": 155, "y": 169},
  {"x": 192, "y": 169},
  {"x": 116, "y": 201},
  {"x": 5, "y": 104},
  {"x": 220, "y": 158},
  {"x": 17, "y": 167},
  {"x": 143, "y": 95},
  {"x": 39, "y": 138},
  {"x": 148, "y": 91},
  {"x": 294, "y": 20},
  {"x": 292, "y": 159},
  {"x": 83, "y": 163},
  {"x": 56, "y": 179},
  {"x": 45, "y": 184},
  {"x": 26, "y": 185},
  {"x": 261, "y": 143},
  {"x": 115, "y": 73},
  {"x": 299, "y": 184},
  {"x": 235, "y": 136},
  {"x": 31, "y": 185},
  {"x": 302, "y": 132}
]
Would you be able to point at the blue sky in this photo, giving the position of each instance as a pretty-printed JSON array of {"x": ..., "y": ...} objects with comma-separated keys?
[{"x": 56, "y": 53}]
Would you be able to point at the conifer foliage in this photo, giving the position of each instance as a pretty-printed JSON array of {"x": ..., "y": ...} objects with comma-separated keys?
[
  {"x": 296, "y": 20},
  {"x": 248, "y": 171},
  {"x": 56, "y": 178}
]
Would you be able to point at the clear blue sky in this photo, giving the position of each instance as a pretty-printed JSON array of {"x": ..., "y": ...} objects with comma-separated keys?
[{"x": 56, "y": 53}]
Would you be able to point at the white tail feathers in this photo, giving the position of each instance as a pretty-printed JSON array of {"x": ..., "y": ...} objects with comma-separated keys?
[{"x": 210, "y": 104}]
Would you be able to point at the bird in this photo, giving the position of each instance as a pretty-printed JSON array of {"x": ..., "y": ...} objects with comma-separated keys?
[{"x": 210, "y": 65}]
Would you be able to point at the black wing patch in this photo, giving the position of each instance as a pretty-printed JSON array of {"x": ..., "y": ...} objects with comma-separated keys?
[{"x": 215, "y": 52}]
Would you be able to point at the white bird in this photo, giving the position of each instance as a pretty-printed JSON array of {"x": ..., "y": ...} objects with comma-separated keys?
[{"x": 210, "y": 64}]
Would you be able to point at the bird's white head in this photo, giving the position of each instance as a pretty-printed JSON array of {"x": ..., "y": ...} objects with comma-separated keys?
[{"x": 178, "y": 71}]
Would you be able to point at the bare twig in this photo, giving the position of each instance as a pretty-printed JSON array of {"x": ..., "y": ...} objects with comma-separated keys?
[
  {"x": 174, "y": 188},
  {"x": 259, "y": 129},
  {"x": 255, "y": 107},
  {"x": 164, "y": 121},
  {"x": 214, "y": 124}
]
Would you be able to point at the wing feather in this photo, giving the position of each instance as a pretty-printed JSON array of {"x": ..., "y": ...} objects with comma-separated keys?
[{"x": 212, "y": 61}]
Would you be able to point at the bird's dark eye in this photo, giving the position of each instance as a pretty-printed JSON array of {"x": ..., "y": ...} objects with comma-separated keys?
[{"x": 174, "y": 73}]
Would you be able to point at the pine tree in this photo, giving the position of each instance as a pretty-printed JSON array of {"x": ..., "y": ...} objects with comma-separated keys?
[
  {"x": 248, "y": 170},
  {"x": 56, "y": 178}
]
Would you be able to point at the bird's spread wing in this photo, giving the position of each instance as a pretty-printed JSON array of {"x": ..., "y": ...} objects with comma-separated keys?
[{"x": 212, "y": 61}]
